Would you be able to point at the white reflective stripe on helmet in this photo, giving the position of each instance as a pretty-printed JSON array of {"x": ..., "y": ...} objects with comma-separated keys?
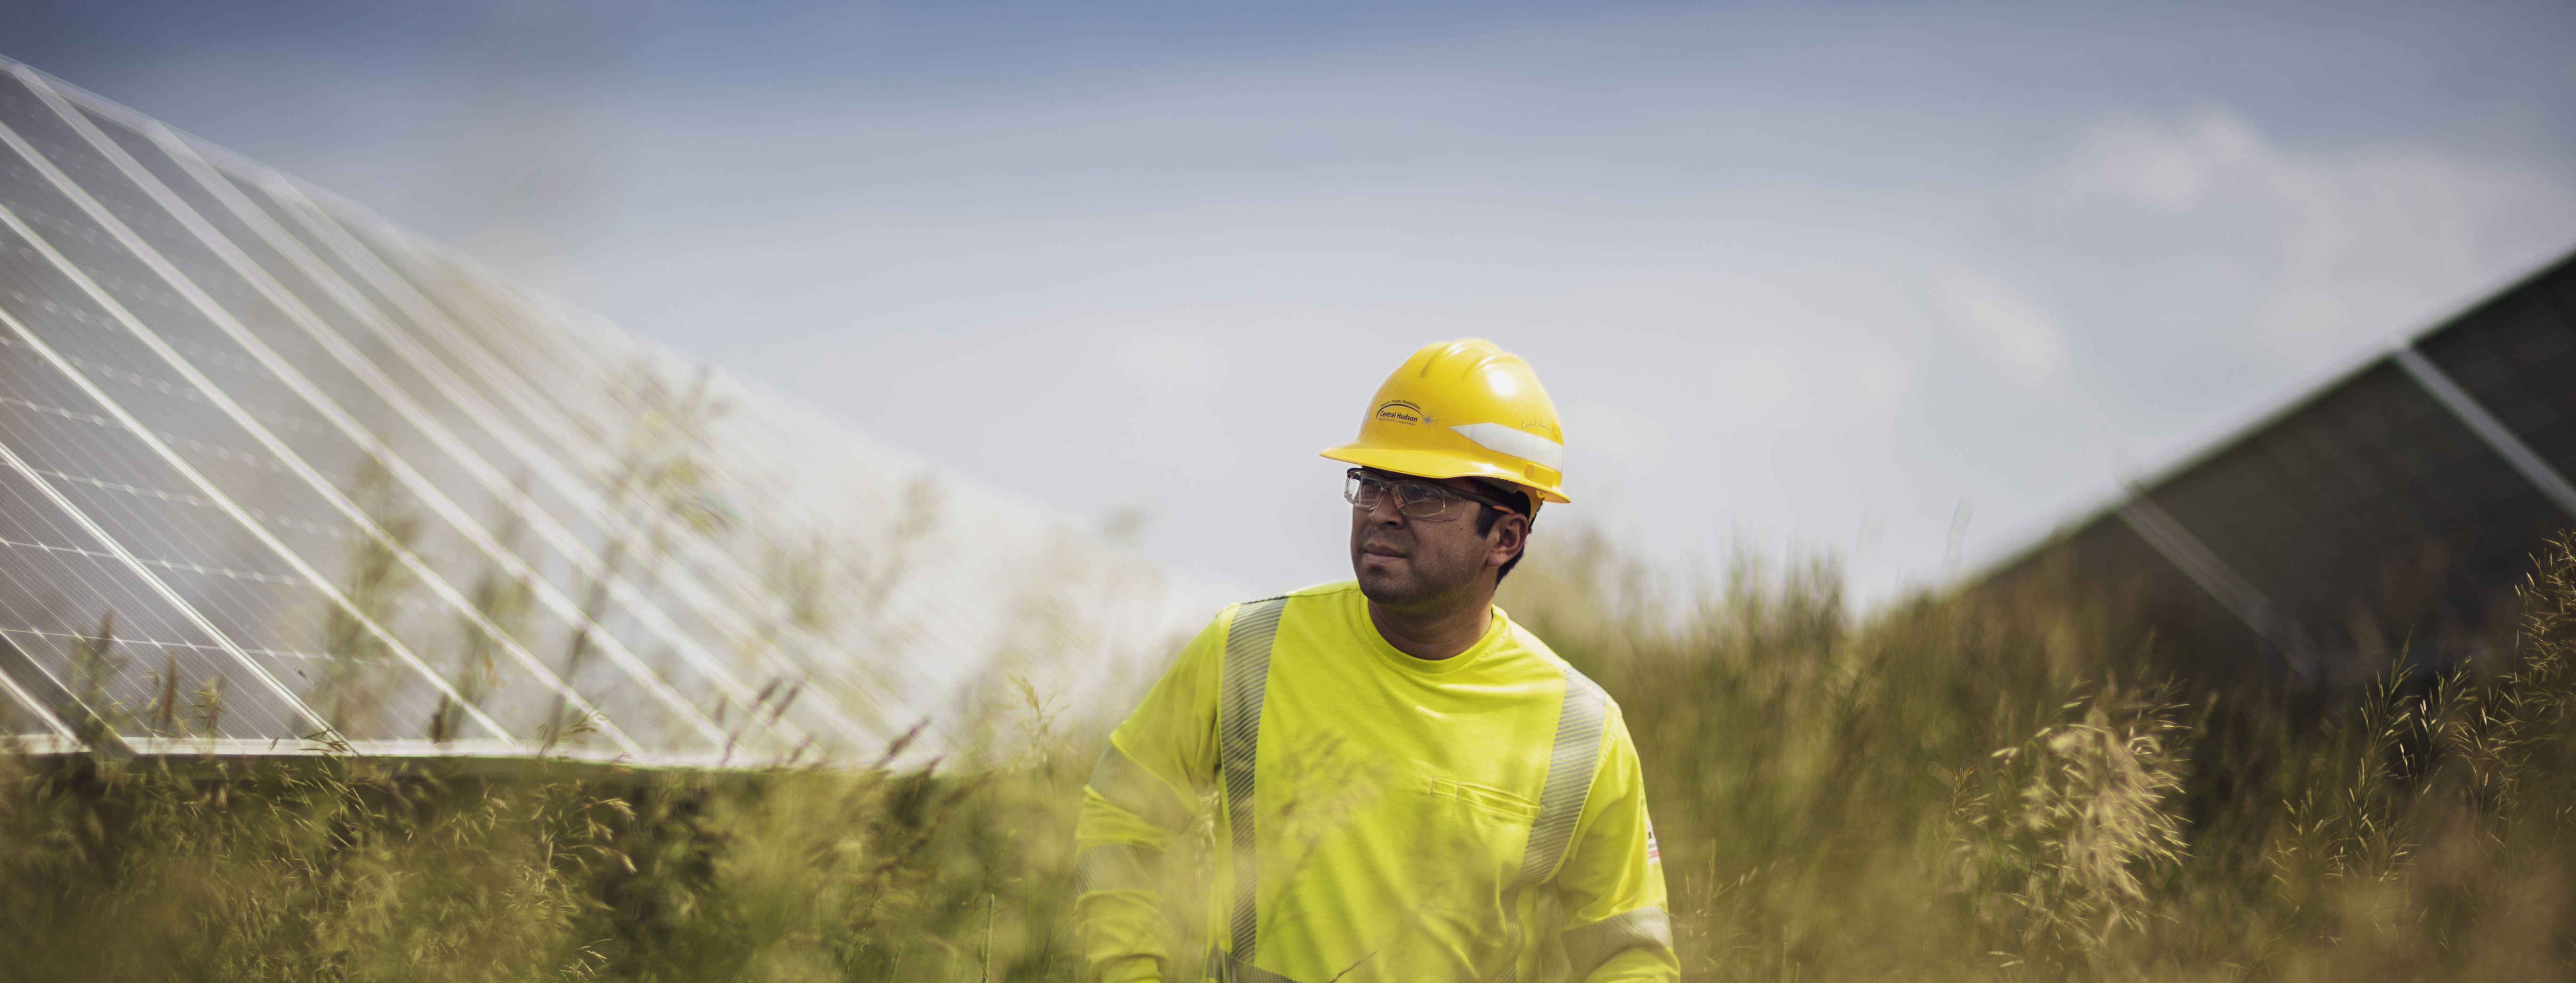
[{"x": 1516, "y": 442}]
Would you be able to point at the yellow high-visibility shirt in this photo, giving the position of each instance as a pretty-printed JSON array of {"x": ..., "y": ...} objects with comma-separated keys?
[{"x": 1377, "y": 816}]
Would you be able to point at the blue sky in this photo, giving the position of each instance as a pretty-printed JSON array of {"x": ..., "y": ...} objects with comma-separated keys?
[{"x": 1907, "y": 282}]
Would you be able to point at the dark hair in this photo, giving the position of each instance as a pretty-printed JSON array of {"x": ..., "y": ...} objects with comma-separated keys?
[{"x": 1487, "y": 516}]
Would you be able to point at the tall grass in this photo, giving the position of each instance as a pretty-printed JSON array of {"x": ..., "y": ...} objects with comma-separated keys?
[
  {"x": 1978, "y": 786},
  {"x": 2001, "y": 786}
]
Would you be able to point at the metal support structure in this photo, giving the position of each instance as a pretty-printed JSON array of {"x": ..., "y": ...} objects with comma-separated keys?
[
  {"x": 2498, "y": 437},
  {"x": 2221, "y": 581}
]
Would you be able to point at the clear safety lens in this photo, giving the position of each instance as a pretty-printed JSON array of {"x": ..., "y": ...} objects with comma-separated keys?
[{"x": 1416, "y": 499}]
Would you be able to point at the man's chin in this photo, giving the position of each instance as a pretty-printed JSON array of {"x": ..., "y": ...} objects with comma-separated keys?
[
  {"x": 1395, "y": 592},
  {"x": 1384, "y": 587}
]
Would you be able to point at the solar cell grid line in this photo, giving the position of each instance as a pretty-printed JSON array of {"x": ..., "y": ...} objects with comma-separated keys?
[
  {"x": 54, "y": 707},
  {"x": 197, "y": 531},
  {"x": 253, "y": 613},
  {"x": 108, "y": 182},
  {"x": 585, "y": 494},
  {"x": 656, "y": 618},
  {"x": 328, "y": 340},
  {"x": 666, "y": 570},
  {"x": 258, "y": 312},
  {"x": 680, "y": 576},
  {"x": 211, "y": 490},
  {"x": 179, "y": 341},
  {"x": 13, "y": 664},
  {"x": 378, "y": 249},
  {"x": 62, "y": 444},
  {"x": 540, "y": 407},
  {"x": 57, "y": 412},
  {"x": 419, "y": 310},
  {"x": 50, "y": 296},
  {"x": 46, "y": 438},
  {"x": 409, "y": 244},
  {"x": 9, "y": 458},
  {"x": 558, "y": 453},
  {"x": 544, "y": 407},
  {"x": 658, "y": 687},
  {"x": 253, "y": 307},
  {"x": 214, "y": 583},
  {"x": 721, "y": 568},
  {"x": 58, "y": 596},
  {"x": 155, "y": 387}
]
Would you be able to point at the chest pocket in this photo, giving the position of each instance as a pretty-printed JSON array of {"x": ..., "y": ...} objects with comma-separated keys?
[
  {"x": 1471, "y": 827},
  {"x": 1492, "y": 802}
]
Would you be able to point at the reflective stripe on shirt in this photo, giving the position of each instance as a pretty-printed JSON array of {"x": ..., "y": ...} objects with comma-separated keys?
[
  {"x": 1246, "y": 675},
  {"x": 1536, "y": 771},
  {"x": 1586, "y": 948},
  {"x": 1571, "y": 763}
]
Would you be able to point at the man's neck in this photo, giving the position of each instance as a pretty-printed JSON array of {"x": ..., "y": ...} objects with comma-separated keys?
[{"x": 1439, "y": 632}]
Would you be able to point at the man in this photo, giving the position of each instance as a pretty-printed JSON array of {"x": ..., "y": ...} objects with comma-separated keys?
[{"x": 1403, "y": 785}]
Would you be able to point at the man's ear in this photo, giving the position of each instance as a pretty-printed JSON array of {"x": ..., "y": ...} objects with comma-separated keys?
[{"x": 1509, "y": 530}]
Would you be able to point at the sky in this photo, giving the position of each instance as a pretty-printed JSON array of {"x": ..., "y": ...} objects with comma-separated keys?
[{"x": 1906, "y": 284}]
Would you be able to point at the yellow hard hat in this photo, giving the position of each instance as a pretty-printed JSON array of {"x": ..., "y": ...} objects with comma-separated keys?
[{"x": 1463, "y": 409}]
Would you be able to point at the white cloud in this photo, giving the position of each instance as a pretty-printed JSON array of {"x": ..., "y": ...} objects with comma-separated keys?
[
  {"x": 2025, "y": 341},
  {"x": 2346, "y": 246},
  {"x": 1726, "y": 297}
]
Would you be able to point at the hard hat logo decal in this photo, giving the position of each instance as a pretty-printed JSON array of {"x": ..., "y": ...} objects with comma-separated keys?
[{"x": 1401, "y": 411}]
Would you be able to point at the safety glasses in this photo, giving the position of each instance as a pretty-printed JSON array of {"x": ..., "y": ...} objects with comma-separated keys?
[{"x": 1414, "y": 498}]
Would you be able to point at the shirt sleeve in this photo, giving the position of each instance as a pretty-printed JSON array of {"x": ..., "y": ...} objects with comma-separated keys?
[
  {"x": 1144, "y": 792},
  {"x": 1612, "y": 883}
]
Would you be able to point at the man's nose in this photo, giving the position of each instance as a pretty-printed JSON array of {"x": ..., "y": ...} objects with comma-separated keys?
[{"x": 1386, "y": 512}]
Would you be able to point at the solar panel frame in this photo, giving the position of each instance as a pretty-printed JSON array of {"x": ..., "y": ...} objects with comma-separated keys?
[
  {"x": 235, "y": 292},
  {"x": 303, "y": 449},
  {"x": 392, "y": 409},
  {"x": 2390, "y": 513}
]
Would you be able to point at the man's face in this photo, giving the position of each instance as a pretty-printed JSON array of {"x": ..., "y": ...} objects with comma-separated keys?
[{"x": 1403, "y": 562}]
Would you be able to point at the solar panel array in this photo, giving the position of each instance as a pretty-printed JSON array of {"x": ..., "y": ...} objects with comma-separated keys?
[
  {"x": 276, "y": 475},
  {"x": 2387, "y": 516}
]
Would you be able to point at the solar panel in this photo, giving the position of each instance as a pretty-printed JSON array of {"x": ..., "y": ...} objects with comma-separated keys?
[
  {"x": 2387, "y": 516},
  {"x": 275, "y": 474}
]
